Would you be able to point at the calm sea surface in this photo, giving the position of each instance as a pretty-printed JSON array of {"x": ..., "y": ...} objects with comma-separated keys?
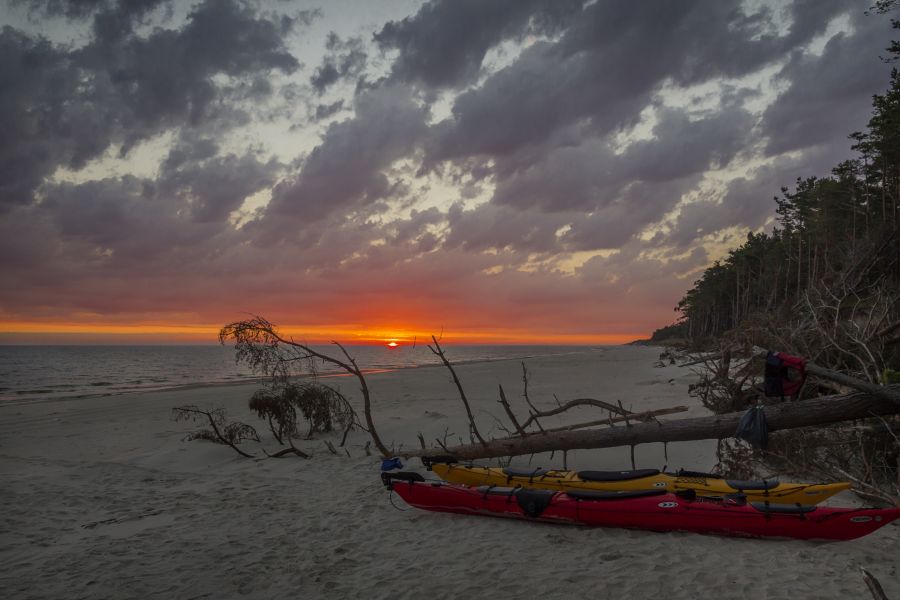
[{"x": 39, "y": 372}]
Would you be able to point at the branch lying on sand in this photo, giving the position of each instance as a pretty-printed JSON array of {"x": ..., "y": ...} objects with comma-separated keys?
[
  {"x": 229, "y": 434},
  {"x": 788, "y": 415},
  {"x": 873, "y": 584}
]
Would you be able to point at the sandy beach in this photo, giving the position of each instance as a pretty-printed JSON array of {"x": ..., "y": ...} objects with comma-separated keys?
[{"x": 103, "y": 498}]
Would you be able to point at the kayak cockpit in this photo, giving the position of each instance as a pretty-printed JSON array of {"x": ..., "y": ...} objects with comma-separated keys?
[
  {"x": 616, "y": 475},
  {"x": 764, "y": 484}
]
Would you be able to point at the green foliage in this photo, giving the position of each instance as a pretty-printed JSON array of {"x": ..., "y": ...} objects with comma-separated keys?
[
  {"x": 669, "y": 332},
  {"x": 222, "y": 431},
  {"x": 321, "y": 406}
]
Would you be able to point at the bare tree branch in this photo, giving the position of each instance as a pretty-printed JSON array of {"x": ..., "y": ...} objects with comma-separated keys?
[{"x": 439, "y": 352}]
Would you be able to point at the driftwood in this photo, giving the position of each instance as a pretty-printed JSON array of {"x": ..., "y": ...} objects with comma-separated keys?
[
  {"x": 873, "y": 584},
  {"x": 510, "y": 413},
  {"x": 439, "y": 352},
  {"x": 534, "y": 414},
  {"x": 649, "y": 415},
  {"x": 222, "y": 432},
  {"x": 787, "y": 415},
  {"x": 870, "y": 388},
  {"x": 572, "y": 404}
]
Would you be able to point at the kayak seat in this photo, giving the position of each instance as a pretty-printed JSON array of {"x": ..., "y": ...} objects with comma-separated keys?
[
  {"x": 789, "y": 509},
  {"x": 700, "y": 474},
  {"x": 616, "y": 475},
  {"x": 387, "y": 478},
  {"x": 496, "y": 490},
  {"x": 533, "y": 502},
  {"x": 515, "y": 472},
  {"x": 435, "y": 460},
  {"x": 596, "y": 495},
  {"x": 765, "y": 484}
]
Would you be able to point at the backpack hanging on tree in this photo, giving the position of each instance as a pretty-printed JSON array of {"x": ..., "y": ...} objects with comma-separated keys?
[{"x": 784, "y": 374}]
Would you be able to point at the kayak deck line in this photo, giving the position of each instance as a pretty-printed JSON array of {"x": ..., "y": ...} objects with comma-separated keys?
[{"x": 704, "y": 484}]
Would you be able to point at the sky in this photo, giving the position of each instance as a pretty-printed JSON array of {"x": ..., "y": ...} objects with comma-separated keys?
[{"x": 513, "y": 171}]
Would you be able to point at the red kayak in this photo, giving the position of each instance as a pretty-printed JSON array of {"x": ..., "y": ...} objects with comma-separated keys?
[{"x": 655, "y": 510}]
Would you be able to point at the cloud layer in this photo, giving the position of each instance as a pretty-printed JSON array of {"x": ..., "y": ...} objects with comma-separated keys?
[{"x": 536, "y": 166}]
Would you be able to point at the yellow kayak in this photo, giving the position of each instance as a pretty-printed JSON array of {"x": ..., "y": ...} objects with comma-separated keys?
[{"x": 704, "y": 484}]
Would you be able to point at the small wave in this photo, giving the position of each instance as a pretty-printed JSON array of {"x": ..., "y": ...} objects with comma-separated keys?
[
  {"x": 100, "y": 383},
  {"x": 29, "y": 392}
]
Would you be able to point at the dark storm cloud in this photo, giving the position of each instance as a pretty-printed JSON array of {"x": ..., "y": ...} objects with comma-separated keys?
[
  {"x": 493, "y": 227},
  {"x": 211, "y": 184},
  {"x": 112, "y": 20},
  {"x": 747, "y": 202},
  {"x": 344, "y": 60},
  {"x": 166, "y": 78},
  {"x": 605, "y": 68},
  {"x": 684, "y": 145},
  {"x": 70, "y": 9},
  {"x": 592, "y": 174},
  {"x": 118, "y": 219},
  {"x": 346, "y": 169},
  {"x": 323, "y": 111},
  {"x": 829, "y": 96},
  {"x": 44, "y": 124},
  {"x": 603, "y": 198},
  {"x": 445, "y": 43},
  {"x": 125, "y": 225},
  {"x": 615, "y": 223},
  {"x": 64, "y": 107},
  {"x": 404, "y": 231}
]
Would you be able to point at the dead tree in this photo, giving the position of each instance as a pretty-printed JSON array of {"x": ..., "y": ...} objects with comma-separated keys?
[
  {"x": 788, "y": 415},
  {"x": 258, "y": 343},
  {"x": 222, "y": 431},
  {"x": 439, "y": 352}
]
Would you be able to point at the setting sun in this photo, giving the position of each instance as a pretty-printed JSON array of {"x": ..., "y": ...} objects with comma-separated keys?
[{"x": 392, "y": 344}]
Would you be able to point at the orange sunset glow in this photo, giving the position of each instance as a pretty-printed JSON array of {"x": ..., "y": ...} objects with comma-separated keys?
[{"x": 62, "y": 332}]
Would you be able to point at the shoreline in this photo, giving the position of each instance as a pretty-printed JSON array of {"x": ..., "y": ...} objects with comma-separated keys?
[{"x": 22, "y": 399}]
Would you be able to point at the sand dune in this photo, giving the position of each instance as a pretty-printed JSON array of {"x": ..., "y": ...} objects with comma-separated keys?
[{"x": 103, "y": 499}]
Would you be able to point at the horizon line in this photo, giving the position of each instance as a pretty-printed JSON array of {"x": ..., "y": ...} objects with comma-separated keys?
[{"x": 24, "y": 333}]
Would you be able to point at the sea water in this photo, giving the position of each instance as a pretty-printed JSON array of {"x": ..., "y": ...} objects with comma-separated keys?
[{"x": 30, "y": 373}]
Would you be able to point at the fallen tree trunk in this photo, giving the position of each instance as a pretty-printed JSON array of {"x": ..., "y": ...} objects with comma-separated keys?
[
  {"x": 650, "y": 415},
  {"x": 787, "y": 415}
]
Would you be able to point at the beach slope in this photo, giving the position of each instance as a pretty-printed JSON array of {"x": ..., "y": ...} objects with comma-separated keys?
[{"x": 103, "y": 498}]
